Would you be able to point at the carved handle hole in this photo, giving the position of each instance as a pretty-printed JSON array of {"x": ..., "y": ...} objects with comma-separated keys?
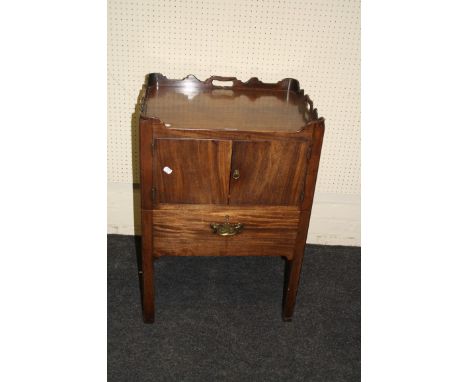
[{"x": 222, "y": 83}]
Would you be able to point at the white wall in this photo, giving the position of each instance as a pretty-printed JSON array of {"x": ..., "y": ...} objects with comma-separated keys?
[{"x": 317, "y": 42}]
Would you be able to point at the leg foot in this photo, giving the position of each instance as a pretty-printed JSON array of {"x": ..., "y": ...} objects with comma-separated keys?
[{"x": 148, "y": 318}]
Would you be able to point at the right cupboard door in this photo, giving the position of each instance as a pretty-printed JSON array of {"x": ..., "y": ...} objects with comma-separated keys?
[{"x": 267, "y": 172}]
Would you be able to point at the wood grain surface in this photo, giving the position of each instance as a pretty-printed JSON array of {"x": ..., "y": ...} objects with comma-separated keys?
[
  {"x": 161, "y": 131},
  {"x": 146, "y": 162},
  {"x": 253, "y": 105},
  {"x": 199, "y": 171},
  {"x": 182, "y": 230},
  {"x": 270, "y": 172},
  {"x": 226, "y": 109}
]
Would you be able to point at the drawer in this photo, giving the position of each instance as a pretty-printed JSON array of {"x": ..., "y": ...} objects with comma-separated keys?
[{"x": 182, "y": 230}]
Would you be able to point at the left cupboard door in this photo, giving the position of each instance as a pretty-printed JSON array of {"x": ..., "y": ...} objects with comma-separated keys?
[{"x": 194, "y": 171}]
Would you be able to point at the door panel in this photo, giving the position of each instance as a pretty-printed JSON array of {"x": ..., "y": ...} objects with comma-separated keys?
[
  {"x": 192, "y": 171},
  {"x": 267, "y": 172}
]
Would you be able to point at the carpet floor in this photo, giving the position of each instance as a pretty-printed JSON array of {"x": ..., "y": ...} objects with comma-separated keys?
[{"x": 219, "y": 318}]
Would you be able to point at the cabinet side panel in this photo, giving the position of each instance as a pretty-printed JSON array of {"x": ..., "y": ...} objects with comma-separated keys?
[
  {"x": 313, "y": 165},
  {"x": 146, "y": 163}
]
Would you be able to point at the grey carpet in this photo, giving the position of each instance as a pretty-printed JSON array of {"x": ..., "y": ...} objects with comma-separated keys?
[{"x": 219, "y": 319}]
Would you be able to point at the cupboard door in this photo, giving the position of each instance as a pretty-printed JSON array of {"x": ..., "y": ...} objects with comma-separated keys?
[
  {"x": 192, "y": 171},
  {"x": 268, "y": 172}
]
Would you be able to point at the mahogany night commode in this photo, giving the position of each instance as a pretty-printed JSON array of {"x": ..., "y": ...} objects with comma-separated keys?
[{"x": 226, "y": 171}]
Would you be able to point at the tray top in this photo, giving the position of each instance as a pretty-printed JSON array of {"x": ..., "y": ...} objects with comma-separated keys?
[{"x": 190, "y": 104}]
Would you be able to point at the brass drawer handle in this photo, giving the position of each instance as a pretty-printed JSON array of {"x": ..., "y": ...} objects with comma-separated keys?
[
  {"x": 226, "y": 228},
  {"x": 236, "y": 174}
]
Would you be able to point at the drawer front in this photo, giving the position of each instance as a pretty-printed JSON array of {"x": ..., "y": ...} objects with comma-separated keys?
[{"x": 180, "y": 230}]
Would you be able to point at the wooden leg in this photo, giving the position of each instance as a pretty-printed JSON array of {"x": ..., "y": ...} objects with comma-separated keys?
[
  {"x": 293, "y": 268},
  {"x": 291, "y": 284},
  {"x": 147, "y": 266}
]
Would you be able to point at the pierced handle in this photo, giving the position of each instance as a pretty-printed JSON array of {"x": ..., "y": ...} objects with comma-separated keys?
[
  {"x": 226, "y": 228},
  {"x": 220, "y": 78}
]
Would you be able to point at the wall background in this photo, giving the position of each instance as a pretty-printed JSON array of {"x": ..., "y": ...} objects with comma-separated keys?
[{"x": 316, "y": 42}]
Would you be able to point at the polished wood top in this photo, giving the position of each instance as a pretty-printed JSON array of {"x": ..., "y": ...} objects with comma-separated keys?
[{"x": 191, "y": 104}]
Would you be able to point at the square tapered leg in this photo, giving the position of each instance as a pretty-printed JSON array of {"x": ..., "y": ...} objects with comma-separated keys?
[
  {"x": 147, "y": 267},
  {"x": 291, "y": 284}
]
